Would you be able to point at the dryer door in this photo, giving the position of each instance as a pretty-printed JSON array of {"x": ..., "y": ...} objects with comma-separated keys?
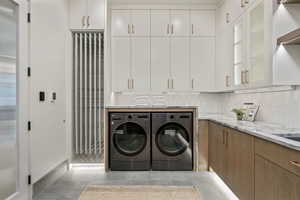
[
  {"x": 172, "y": 139},
  {"x": 130, "y": 139}
]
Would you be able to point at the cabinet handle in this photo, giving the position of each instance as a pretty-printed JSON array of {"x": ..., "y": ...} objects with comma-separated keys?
[
  {"x": 227, "y": 81},
  {"x": 88, "y": 21},
  {"x": 132, "y": 83},
  {"x": 128, "y": 28},
  {"x": 193, "y": 83},
  {"x": 295, "y": 163},
  {"x": 83, "y": 21},
  {"x": 168, "y": 29},
  {"x": 227, "y": 18},
  {"x": 246, "y": 1},
  {"x": 226, "y": 138},
  {"x": 247, "y": 77},
  {"x": 168, "y": 83},
  {"x": 242, "y": 4},
  {"x": 132, "y": 28},
  {"x": 223, "y": 137},
  {"x": 242, "y": 77},
  {"x": 192, "y": 29},
  {"x": 172, "y": 29},
  {"x": 172, "y": 83},
  {"x": 128, "y": 83}
]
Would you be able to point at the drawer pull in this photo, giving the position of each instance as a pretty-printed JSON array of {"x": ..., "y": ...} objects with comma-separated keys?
[{"x": 295, "y": 163}]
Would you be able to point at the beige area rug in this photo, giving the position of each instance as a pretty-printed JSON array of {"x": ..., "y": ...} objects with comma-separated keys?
[{"x": 140, "y": 193}]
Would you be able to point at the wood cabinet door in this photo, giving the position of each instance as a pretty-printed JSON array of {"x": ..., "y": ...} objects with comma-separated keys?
[
  {"x": 121, "y": 63},
  {"x": 217, "y": 150},
  {"x": 202, "y": 63},
  {"x": 240, "y": 175},
  {"x": 78, "y": 14},
  {"x": 180, "y": 70},
  {"x": 202, "y": 23},
  {"x": 180, "y": 23},
  {"x": 274, "y": 183},
  {"x": 96, "y": 14},
  {"x": 160, "y": 23},
  {"x": 140, "y": 22},
  {"x": 140, "y": 56},
  {"x": 120, "y": 23}
]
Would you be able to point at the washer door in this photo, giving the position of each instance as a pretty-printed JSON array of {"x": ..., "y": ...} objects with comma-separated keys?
[
  {"x": 172, "y": 139},
  {"x": 130, "y": 139}
]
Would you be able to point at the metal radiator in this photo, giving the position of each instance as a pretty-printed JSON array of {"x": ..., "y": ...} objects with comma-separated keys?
[{"x": 87, "y": 65}]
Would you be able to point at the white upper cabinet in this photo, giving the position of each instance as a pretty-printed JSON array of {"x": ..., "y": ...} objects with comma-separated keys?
[
  {"x": 140, "y": 56},
  {"x": 202, "y": 63},
  {"x": 140, "y": 22},
  {"x": 202, "y": 23},
  {"x": 121, "y": 69},
  {"x": 87, "y": 14},
  {"x": 180, "y": 64},
  {"x": 179, "y": 24},
  {"x": 160, "y": 23},
  {"x": 120, "y": 23}
]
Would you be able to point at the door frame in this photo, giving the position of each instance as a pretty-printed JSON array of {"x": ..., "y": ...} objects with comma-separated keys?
[{"x": 23, "y": 189}]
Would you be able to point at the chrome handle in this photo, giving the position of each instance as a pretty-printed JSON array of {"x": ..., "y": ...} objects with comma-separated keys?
[
  {"x": 295, "y": 163},
  {"x": 83, "y": 21},
  {"x": 168, "y": 83},
  {"x": 172, "y": 83},
  {"x": 242, "y": 77},
  {"x": 128, "y": 83},
  {"x": 132, "y": 29},
  {"x": 223, "y": 137},
  {"x": 88, "y": 21},
  {"x": 246, "y": 1},
  {"x": 129, "y": 29},
  {"x": 192, "y": 29}
]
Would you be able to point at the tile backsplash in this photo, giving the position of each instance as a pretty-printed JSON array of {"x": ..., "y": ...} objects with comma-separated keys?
[{"x": 275, "y": 107}]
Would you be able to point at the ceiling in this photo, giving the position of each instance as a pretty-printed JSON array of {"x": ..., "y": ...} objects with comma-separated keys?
[{"x": 166, "y": 1}]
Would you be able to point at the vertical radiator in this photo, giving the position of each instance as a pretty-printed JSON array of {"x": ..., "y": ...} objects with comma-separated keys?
[{"x": 87, "y": 65}]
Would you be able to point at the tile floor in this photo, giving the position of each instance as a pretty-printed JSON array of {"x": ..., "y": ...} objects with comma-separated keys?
[{"x": 73, "y": 182}]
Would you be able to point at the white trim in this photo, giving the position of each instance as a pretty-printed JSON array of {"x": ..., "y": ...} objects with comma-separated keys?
[
  {"x": 267, "y": 90},
  {"x": 165, "y": 6}
]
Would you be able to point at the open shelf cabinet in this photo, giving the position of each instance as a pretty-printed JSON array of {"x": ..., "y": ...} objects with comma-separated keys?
[{"x": 291, "y": 38}]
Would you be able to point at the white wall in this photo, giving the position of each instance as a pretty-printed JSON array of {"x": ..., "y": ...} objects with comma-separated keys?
[{"x": 48, "y": 138}]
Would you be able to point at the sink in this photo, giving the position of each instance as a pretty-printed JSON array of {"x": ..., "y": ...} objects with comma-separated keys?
[{"x": 291, "y": 136}]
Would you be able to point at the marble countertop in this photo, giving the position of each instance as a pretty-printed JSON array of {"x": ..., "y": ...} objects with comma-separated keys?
[
  {"x": 147, "y": 107},
  {"x": 262, "y": 130}
]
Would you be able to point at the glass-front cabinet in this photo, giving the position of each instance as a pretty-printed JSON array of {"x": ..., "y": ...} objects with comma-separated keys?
[{"x": 253, "y": 46}]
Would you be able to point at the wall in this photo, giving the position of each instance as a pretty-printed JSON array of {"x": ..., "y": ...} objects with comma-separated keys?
[{"x": 48, "y": 138}]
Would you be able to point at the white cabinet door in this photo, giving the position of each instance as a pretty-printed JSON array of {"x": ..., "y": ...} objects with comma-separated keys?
[
  {"x": 140, "y": 57},
  {"x": 96, "y": 14},
  {"x": 120, "y": 63},
  {"x": 160, "y": 64},
  {"x": 203, "y": 23},
  {"x": 120, "y": 23},
  {"x": 180, "y": 70},
  {"x": 203, "y": 63},
  {"x": 78, "y": 14},
  {"x": 140, "y": 22},
  {"x": 160, "y": 23},
  {"x": 180, "y": 23},
  {"x": 224, "y": 61}
]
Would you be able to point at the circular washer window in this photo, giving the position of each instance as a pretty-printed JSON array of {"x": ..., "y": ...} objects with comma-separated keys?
[
  {"x": 130, "y": 139},
  {"x": 172, "y": 139}
]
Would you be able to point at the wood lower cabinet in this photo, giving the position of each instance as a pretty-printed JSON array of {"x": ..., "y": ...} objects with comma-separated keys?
[
  {"x": 273, "y": 182},
  {"x": 254, "y": 169},
  {"x": 231, "y": 156}
]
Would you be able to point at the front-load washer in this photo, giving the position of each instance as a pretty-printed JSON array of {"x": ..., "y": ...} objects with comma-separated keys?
[
  {"x": 172, "y": 141},
  {"x": 130, "y": 140}
]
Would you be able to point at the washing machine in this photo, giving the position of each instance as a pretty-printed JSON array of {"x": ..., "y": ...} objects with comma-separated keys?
[
  {"x": 130, "y": 140},
  {"x": 172, "y": 141}
]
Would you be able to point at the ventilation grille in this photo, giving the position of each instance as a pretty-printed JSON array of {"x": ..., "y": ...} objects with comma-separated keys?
[{"x": 87, "y": 93}]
